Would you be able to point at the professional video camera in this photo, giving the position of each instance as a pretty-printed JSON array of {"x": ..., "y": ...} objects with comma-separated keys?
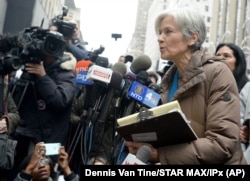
[
  {"x": 37, "y": 43},
  {"x": 9, "y": 48},
  {"x": 98, "y": 60},
  {"x": 64, "y": 27},
  {"x": 29, "y": 46}
]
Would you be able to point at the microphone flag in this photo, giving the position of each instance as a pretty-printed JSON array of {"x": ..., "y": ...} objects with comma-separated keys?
[
  {"x": 81, "y": 72},
  {"x": 143, "y": 94}
]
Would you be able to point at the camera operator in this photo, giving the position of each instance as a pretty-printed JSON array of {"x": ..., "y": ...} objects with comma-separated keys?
[
  {"x": 44, "y": 94},
  {"x": 73, "y": 42},
  {"x": 8, "y": 121},
  {"x": 9, "y": 117},
  {"x": 70, "y": 30}
]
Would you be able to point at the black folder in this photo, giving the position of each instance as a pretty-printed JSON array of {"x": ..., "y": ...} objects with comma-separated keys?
[{"x": 163, "y": 130}]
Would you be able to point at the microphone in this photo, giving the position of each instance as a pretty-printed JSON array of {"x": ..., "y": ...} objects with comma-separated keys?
[
  {"x": 105, "y": 82},
  {"x": 143, "y": 77},
  {"x": 128, "y": 58},
  {"x": 141, "y": 158},
  {"x": 100, "y": 78},
  {"x": 155, "y": 87},
  {"x": 120, "y": 67},
  {"x": 142, "y": 62},
  {"x": 144, "y": 95},
  {"x": 141, "y": 93},
  {"x": 81, "y": 71},
  {"x": 105, "y": 110},
  {"x": 99, "y": 73},
  {"x": 115, "y": 83}
]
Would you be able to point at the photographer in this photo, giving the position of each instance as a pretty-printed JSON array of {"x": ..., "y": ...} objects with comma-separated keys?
[
  {"x": 9, "y": 117},
  {"x": 38, "y": 166},
  {"x": 44, "y": 92},
  {"x": 70, "y": 29}
]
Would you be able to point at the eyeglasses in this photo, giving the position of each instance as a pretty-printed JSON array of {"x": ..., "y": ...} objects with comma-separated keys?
[{"x": 44, "y": 161}]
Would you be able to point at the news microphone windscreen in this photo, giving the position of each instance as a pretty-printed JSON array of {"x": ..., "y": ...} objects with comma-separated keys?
[
  {"x": 120, "y": 67},
  {"x": 142, "y": 62},
  {"x": 142, "y": 77},
  {"x": 128, "y": 58},
  {"x": 116, "y": 80},
  {"x": 155, "y": 87},
  {"x": 143, "y": 153}
]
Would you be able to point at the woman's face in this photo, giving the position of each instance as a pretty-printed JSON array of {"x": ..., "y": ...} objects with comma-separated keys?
[
  {"x": 42, "y": 170},
  {"x": 228, "y": 54},
  {"x": 171, "y": 40}
]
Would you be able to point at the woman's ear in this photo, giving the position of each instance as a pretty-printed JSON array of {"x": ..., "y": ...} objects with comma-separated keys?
[{"x": 193, "y": 39}]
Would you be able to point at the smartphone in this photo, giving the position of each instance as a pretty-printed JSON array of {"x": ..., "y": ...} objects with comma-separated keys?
[{"x": 52, "y": 148}]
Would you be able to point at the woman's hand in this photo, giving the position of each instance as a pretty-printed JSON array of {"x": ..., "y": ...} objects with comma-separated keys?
[
  {"x": 244, "y": 134},
  {"x": 3, "y": 125},
  {"x": 134, "y": 146},
  {"x": 39, "y": 153},
  {"x": 63, "y": 161}
]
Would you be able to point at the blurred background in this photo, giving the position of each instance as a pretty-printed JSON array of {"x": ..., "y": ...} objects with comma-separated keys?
[{"x": 126, "y": 27}]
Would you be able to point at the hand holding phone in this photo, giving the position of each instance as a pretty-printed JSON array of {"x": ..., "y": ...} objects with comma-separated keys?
[{"x": 52, "y": 148}]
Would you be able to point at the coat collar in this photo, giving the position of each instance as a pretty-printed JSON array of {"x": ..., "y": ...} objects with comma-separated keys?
[{"x": 193, "y": 75}]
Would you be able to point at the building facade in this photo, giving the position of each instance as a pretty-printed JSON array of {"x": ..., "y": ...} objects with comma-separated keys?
[
  {"x": 226, "y": 21},
  {"x": 17, "y": 15}
]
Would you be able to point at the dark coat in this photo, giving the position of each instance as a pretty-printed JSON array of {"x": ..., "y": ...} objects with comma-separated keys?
[
  {"x": 11, "y": 112},
  {"x": 46, "y": 105}
]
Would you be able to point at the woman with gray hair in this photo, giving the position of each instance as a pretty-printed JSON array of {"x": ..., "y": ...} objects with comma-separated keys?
[{"x": 206, "y": 90}]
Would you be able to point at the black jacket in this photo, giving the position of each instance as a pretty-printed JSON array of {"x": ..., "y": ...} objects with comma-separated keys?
[{"x": 46, "y": 105}]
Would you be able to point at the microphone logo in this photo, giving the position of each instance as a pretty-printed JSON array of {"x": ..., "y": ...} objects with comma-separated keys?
[
  {"x": 81, "y": 71},
  {"x": 81, "y": 78},
  {"x": 137, "y": 91},
  {"x": 99, "y": 73},
  {"x": 143, "y": 94},
  {"x": 152, "y": 98}
]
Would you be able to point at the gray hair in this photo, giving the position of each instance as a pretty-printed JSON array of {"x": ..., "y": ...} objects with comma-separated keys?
[{"x": 187, "y": 20}]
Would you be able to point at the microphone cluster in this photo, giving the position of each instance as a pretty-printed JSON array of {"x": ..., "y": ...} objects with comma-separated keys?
[{"x": 112, "y": 93}]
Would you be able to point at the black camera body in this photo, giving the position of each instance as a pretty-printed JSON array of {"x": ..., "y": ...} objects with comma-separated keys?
[
  {"x": 93, "y": 55},
  {"x": 98, "y": 60},
  {"x": 66, "y": 28},
  {"x": 8, "y": 53},
  {"x": 37, "y": 43},
  {"x": 8, "y": 64},
  {"x": 31, "y": 45}
]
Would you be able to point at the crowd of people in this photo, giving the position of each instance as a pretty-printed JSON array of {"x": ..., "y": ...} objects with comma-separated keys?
[{"x": 46, "y": 105}]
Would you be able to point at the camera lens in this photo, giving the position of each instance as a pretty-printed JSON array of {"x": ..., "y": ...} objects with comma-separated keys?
[
  {"x": 54, "y": 45},
  {"x": 51, "y": 47}
]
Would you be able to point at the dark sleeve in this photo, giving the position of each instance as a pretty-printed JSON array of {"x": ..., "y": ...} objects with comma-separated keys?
[
  {"x": 79, "y": 53},
  {"x": 58, "y": 93},
  {"x": 23, "y": 177},
  {"x": 13, "y": 115},
  {"x": 71, "y": 177}
]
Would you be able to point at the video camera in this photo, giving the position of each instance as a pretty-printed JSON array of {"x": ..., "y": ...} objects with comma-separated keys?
[
  {"x": 98, "y": 60},
  {"x": 38, "y": 43},
  {"x": 31, "y": 46},
  {"x": 9, "y": 47},
  {"x": 64, "y": 27}
]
